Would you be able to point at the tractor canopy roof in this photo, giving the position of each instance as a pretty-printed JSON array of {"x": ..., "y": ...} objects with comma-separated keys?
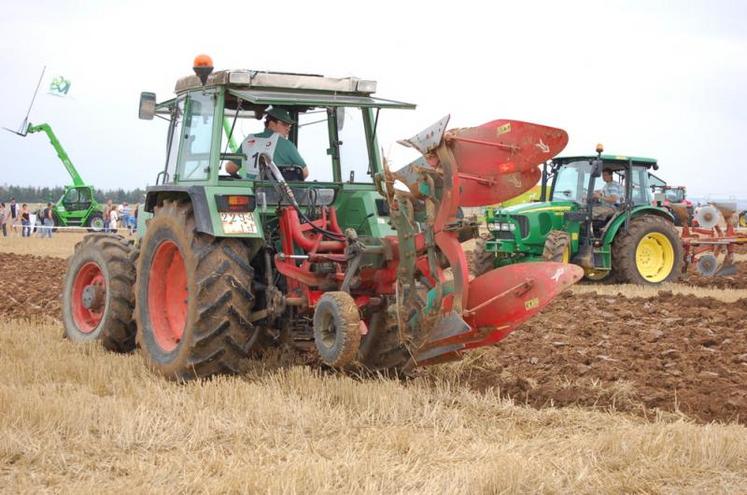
[
  {"x": 289, "y": 89},
  {"x": 613, "y": 161}
]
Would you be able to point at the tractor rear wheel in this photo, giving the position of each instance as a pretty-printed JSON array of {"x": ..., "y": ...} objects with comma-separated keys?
[
  {"x": 649, "y": 252},
  {"x": 97, "y": 294},
  {"x": 481, "y": 260},
  {"x": 193, "y": 298},
  {"x": 337, "y": 328},
  {"x": 557, "y": 247}
]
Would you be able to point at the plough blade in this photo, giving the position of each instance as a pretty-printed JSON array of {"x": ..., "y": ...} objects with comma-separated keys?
[
  {"x": 486, "y": 150},
  {"x": 512, "y": 294},
  {"x": 498, "y": 160}
]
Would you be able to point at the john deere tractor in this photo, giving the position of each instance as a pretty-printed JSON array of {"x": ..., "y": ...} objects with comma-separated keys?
[
  {"x": 344, "y": 265},
  {"x": 636, "y": 242}
]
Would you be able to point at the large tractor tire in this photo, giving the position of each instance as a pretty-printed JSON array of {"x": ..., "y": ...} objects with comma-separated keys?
[
  {"x": 649, "y": 252},
  {"x": 193, "y": 298},
  {"x": 337, "y": 329},
  {"x": 95, "y": 222},
  {"x": 557, "y": 247},
  {"x": 481, "y": 260},
  {"x": 97, "y": 294}
]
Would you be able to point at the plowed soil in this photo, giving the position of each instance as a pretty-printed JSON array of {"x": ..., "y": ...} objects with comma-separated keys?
[
  {"x": 30, "y": 286},
  {"x": 673, "y": 352}
]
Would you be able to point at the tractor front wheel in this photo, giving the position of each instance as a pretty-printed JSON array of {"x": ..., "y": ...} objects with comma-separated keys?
[
  {"x": 97, "y": 294},
  {"x": 96, "y": 222},
  {"x": 481, "y": 260},
  {"x": 557, "y": 247},
  {"x": 337, "y": 329},
  {"x": 193, "y": 298},
  {"x": 649, "y": 252}
]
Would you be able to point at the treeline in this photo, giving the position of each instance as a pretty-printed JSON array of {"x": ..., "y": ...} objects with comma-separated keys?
[{"x": 28, "y": 194}]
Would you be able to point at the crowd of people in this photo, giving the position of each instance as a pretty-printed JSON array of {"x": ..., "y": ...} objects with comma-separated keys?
[{"x": 18, "y": 218}]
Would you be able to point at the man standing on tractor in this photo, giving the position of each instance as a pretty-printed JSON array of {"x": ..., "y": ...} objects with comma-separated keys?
[
  {"x": 609, "y": 197},
  {"x": 278, "y": 123}
]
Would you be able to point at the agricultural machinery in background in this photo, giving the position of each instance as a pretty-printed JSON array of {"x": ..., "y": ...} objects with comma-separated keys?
[
  {"x": 674, "y": 199},
  {"x": 634, "y": 242},
  {"x": 78, "y": 206},
  {"x": 368, "y": 270},
  {"x": 711, "y": 240}
]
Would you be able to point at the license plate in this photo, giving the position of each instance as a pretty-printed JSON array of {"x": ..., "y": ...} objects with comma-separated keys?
[{"x": 238, "y": 223}]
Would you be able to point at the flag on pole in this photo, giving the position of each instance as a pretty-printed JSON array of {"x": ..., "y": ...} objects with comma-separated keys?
[{"x": 59, "y": 86}]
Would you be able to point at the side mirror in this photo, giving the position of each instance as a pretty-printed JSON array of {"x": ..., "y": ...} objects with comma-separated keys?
[
  {"x": 340, "y": 111},
  {"x": 596, "y": 168},
  {"x": 147, "y": 108}
]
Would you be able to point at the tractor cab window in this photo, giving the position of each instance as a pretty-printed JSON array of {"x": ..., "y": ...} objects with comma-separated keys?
[
  {"x": 571, "y": 182},
  {"x": 196, "y": 145},
  {"x": 675, "y": 195},
  {"x": 641, "y": 191},
  {"x": 354, "y": 159},
  {"x": 314, "y": 143},
  {"x": 173, "y": 140},
  {"x": 319, "y": 134},
  {"x": 70, "y": 199}
]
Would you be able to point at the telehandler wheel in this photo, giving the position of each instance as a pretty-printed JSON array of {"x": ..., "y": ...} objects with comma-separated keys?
[
  {"x": 337, "y": 329},
  {"x": 557, "y": 247},
  {"x": 481, "y": 261},
  {"x": 96, "y": 222},
  {"x": 648, "y": 253},
  {"x": 193, "y": 298},
  {"x": 97, "y": 294}
]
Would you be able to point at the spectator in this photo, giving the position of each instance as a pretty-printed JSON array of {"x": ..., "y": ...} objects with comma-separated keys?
[
  {"x": 3, "y": 219},
  {"x": 15, "y": 214},
  {"x": 124, "y": 210},
  {"x": 113, "y": 218},
  {"x": 107, "y": 215},
  {"x": 48, "y": 221},
  {"x": 25, "y": 221}
]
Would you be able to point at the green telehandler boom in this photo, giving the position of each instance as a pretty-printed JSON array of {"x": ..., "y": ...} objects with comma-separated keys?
[{"x": 77, "y": 206}]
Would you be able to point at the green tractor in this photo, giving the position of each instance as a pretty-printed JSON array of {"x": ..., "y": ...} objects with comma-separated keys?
[
  {"x": 343, "y": 264},
  {"x": 636, "y": 242},
  {"x": 77, "y": 207}
]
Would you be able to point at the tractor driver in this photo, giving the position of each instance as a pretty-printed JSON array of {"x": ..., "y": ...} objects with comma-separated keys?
[
  {"x": 609, "y": 196},
  {"x": 278, "y": 123}
]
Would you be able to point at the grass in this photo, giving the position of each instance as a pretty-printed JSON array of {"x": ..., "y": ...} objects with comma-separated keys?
[{"x": 77, "y": 419}]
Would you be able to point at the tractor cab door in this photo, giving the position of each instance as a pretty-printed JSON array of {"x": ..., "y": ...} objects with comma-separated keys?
[{"x": 76, "y": 202}]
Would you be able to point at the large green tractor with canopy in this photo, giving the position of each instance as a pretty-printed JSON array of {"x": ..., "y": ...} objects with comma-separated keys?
[
  {"x": 637, "y": 243},
  {"x": 358, "y": 264}
]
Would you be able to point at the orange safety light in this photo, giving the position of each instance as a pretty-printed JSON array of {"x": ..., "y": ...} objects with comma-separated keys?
[{"x": 203, "y": 66}]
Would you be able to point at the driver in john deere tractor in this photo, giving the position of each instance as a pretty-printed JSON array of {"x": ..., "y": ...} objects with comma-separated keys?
[
  {"x": 609, "y": 196},
  {"x": 278, "y": 123}
]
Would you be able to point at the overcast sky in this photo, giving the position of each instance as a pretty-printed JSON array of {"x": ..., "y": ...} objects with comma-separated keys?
[{"x": 660, "y": 79}]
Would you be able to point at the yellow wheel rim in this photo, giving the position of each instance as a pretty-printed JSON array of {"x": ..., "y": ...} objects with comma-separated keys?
[
  {"x": 654, "y": 257},
  {"x": 743, "y": 220}
]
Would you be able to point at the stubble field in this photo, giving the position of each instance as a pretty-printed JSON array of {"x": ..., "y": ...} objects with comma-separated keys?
[{"x": 611, "y": 389}]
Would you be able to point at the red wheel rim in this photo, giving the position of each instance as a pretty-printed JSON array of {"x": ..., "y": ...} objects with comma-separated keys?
[
  {"x": 89, "y": 278},
  {"x": 167, "y": 295}
]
